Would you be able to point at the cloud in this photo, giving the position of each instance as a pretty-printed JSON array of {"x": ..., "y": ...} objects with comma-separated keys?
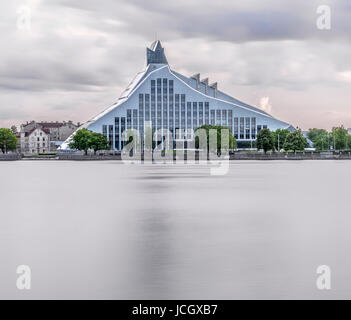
[{"x": 78, "y": 55}]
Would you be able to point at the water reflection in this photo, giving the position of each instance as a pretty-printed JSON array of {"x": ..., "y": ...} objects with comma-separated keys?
[{"x": 110, "y": 230}]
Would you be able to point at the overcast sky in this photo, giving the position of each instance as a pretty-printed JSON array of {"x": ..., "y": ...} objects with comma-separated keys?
[{"x": 70, "y": 59}]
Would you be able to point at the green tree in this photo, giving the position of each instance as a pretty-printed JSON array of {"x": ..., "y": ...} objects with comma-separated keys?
[
  {"x": 295, "y": 141},
  {"x": 265, "y": 140},
  {"x": 339, "y": 138},
  {"x": 208, "y": 127},
  {"x": 320, "y": 138},
  {"x": 98, "y": 141},
  {"x": 280, "y": 137},
  {"x": 8, "y": 142},
  {"x": 81, "y": 140}
]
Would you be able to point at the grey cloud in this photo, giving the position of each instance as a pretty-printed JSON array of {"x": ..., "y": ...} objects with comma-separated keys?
[{"x": 82, "y": 53}]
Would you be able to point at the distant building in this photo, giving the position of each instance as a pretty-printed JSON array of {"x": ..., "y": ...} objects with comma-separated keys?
[
  {"x": 349, "y": 130},
  {"x": 171, "y": 102},
  {"x": 36, "y": 140},
  {"x": 53, "y": 132}
]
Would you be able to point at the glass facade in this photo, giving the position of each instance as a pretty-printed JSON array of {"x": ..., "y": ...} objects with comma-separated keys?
[{"x": 169, "y": 110}]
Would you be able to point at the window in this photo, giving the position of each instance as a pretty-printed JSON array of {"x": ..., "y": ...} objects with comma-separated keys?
[
  {"x": 153, "y": 111},
  {"x": 135, "y": 119},
  {"x": 177, "y": 123},
  {"x": 158, "y": 85},
  {"x": 201, "y": 114},
  {"x": 188, "y": 115},
  {"x": 259, "y": 128},
  {"x": 253, "y": 128},
  {"x": 171, "y": 125},
  {"x": 218, "y": 117},
  {"x": 110, "y": 135},
  {"x": 123, "y": 129},
  {"x": 236, "y": 128},
  {"x": 195, "y": 115},
  {"x": 230, "y": 121},
  {"x": 165, "y": 102},
  {"x": 117, "y": 134},
  {"x": 242, "y": 126},
  {"x": 247, "y": 128},
  {"x": 224, "y": 118},
  {"x": 141, "y": 114},
  {"x": 129, "y": 118},
  {"x": 213, "y": 117},
  {"x": 182, "y": 101},
  {"x": 207, "y": 111},
  {"x": 147, "y": 107}
]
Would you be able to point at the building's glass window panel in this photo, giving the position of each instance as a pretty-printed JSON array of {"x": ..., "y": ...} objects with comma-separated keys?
[
  {"x": 135, "y": 119},
  {"x": 117, "y": 133},
  {"x": 159, "y": 102},
  {"x": 213, "y": 117},
  {"x": 224, "y": 118},
  {"x": 153, "y": 104},
  {"x": 247, "y": 128},
  {"x": 207, "y": 113},
  {"x": 110, "y": 135},
  {"x": 264, "y": 126},
  {"x": 171, "y": 110},
  {"x": 141, "y": 114},
  {"x": 253, "y": 128},
  {"x": 177, "y": 110},
  {"x": 201, "y": 114},
  {"x": 259, "y": 128},
  {"x": 147, "y": 107},
  {"x": 165, "y": 102},
  {"x": 242, "y": 128},
  {"x": 123, "y": 129},
  {"x": 182, "y": 101},
  {"x": 230, "y": 121},
  {"x": 218, "y": 117},
  {"x": 104, "y": 130},
  {"x": 195, "y": 124},
  {"x": 236, "y": 128},
  {"x": 188, "y": 115},
  {"x": 129, "y": 118}
]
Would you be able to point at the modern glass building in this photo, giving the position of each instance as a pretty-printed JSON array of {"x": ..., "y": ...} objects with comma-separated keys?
[{"x": 164, "y": 99}]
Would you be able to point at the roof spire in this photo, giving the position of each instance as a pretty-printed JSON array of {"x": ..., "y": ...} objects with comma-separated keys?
[{"x": 156, "y": 54}]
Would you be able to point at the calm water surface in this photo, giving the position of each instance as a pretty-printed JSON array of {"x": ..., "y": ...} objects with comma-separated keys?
[{"x": 108, "y": 230}]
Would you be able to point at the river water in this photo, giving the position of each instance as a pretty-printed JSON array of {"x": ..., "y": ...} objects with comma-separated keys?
[{"x": 109, "y": 230}]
